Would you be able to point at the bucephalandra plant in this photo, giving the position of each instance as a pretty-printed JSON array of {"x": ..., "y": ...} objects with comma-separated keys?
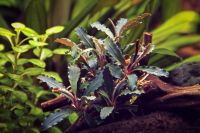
[{"x": 101, "y": 71}]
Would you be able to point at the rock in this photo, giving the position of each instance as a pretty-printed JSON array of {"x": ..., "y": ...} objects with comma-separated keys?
[{"x": 186, "y": 75}]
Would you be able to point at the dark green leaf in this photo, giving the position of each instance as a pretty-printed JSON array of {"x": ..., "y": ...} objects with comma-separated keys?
[
  {"x": 84, "y": 37},
  {"x": 115, "y": 70},
  {"x": 153, "y": 70},
  {"x": 132, "y": 81},
  {"x": 56, "y": 117},
  {"x": 51, "y": 82},
  {"x": 103, "y": 28},
  {"x": 114, "y": 51},
  {"x": 95, "y": 83},
  {"x": 73, "y": 76}
]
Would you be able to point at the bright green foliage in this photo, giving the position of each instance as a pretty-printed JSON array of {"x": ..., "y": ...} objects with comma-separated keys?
[
  {"x": 100, "y": 73},
  {"x": 18, "y": 92}
]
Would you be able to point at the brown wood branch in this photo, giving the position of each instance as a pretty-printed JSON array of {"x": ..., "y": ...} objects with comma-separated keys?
[
  {"x": 54, "y": 103},
  {"x": 172, "y": 92}
]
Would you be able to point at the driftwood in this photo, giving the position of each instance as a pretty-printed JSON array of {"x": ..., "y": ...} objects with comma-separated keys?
[
  {"x": 158, "y": 122},
  {"x": 159, "y": 96}
]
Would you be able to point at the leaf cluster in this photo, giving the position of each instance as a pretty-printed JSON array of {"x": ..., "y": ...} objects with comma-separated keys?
[
  {"x": 101, "y": 72},
  {"x": 23, "y": 57}
]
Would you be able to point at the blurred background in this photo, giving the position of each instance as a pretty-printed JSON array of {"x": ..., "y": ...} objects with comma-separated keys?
[{"x": 175, "y": 26}]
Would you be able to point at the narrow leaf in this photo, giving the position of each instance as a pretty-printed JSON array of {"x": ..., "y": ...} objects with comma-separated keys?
[
  {"x": 103, "y": 28},
  {"x": 153, "y": 70},
  {"x": 95, "y": 83},
  {"x": 114, "y": 51},
  {"x": 195, "y": 58},
  {"x": 87, "y": 41},
  {"x": 56, "y": 117},
  {"x": 73, "y": 75},
  {"x": 51, "y": 82},
  {"x": 119, "y": 25},
  {"x": 165, "y": 51}
]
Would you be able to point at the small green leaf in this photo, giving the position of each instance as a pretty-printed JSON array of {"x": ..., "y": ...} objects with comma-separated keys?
[
  {"x": 29, "y": 32},
  {"x": 2, "y": 47},
  {"x": 54, "y": 75},
  {"x": 45, "y": 53},
  {"x": 18, "y": 25},
  {"x": 22, "y": 48},
  {"x": 132, "y": 81},
  {"x": 51, "y": 82},
  {"x": 4, "y": 88},
  {"x": 103, "y": 28},
  {"x": 73, "y": 76},
  {"x": 87, "y": 41},
  {"x": 10, "y": 57},
  {"x": 54, "y": 30},
  {"x": 6, "y": 33},
  {"x": 21, "y": 96},
  {"x": 56, "y": 117},
  {"x": 33, "y": 71},
  {"x": 152, "y": 70},
  {"x": 73, "y": 117},
  {"x": 95, "y": 83},
  {"x": 37, "y": 62},
  {"x": 37, "y": 44},
  {"x": 17, "y": 78},
  {"x": 22, "y": 61},
  {"x": 61, "y": 51},
  {"x": 114, "y": 51},
  {"x": 105, "y": 112}
]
